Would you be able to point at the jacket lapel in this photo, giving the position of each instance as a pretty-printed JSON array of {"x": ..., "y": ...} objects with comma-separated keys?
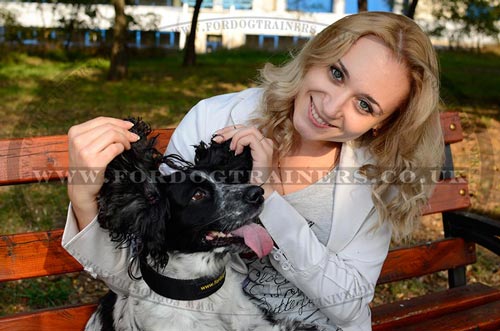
[{"x": 352, "y": 201}]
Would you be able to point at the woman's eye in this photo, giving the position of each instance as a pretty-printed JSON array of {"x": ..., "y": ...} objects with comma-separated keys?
[
  {"x": 337, "y": 74},
  {"x": 365, "y": 106},
  {"x": 198, "y": 195}
]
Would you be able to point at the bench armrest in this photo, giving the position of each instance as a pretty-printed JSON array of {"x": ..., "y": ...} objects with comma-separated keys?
[{"x": 483, "y": 230}]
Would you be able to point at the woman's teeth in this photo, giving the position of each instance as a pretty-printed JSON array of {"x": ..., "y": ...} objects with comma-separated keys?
[{"x": 316, "y": 116}]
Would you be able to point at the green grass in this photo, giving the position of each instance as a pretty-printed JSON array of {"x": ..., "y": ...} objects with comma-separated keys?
[
  {"x": 470, "y": 79},
  {"x": 45, "y": 96},
  {"x": 42, "y": 97}
]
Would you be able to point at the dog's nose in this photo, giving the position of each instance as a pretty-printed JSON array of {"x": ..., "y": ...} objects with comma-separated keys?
[{"x": 254, "y": 194}]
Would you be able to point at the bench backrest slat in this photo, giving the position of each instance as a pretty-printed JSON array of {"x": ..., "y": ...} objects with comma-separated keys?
[
  {"x": 404, "y": 263},
  {"x": 31, "y": 160},
  {"x": 34, "y": 254},
  {"x": 67, "y": 319},
  {"x": 448, "y": 194},
  {"x": 40, "y": 254},
  {"x": 39, "y": 159}
]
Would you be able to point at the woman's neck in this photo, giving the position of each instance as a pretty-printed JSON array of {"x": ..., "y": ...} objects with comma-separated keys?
[{"x": 309, "y": 148}]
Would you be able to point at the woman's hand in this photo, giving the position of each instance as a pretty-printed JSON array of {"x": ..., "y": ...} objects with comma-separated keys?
[
  {"x": 92, "y": 145},
  {"x": 261, "y": 150}
]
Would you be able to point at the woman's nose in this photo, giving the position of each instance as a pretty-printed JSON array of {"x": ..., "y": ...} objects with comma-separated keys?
[{"x": 335, "y": 104}]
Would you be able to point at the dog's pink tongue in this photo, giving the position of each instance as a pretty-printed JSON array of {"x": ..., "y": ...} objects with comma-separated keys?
[{"x": 256, "y": 237}]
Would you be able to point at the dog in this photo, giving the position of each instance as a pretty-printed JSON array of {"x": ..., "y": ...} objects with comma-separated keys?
[{"x": 181, "y": 230}]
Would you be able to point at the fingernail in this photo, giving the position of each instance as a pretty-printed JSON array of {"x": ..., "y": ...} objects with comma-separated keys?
[
  {"x": 130, "y": 124},
  {"x": 136, "y": 136},
  {"x": 218, "y": 138}
]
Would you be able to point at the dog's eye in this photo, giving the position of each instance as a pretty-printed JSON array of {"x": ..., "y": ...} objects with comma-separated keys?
[{"x": 198, "y": 195}]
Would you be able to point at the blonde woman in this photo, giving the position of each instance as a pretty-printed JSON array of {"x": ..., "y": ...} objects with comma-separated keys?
[{"x": 355, "y": 113}]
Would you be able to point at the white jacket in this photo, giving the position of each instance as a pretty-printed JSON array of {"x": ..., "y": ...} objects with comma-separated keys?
[{"x": 339, "y": 278}]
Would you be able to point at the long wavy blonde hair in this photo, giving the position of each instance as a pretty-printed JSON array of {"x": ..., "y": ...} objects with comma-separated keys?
[{"x": 410, "y": 142}]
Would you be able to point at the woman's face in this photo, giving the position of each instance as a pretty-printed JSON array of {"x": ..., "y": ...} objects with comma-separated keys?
[{"x": 343, "y": 101}]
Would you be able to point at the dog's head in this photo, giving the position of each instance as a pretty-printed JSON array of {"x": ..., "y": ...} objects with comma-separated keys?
[{"x": 200, "y": 207}]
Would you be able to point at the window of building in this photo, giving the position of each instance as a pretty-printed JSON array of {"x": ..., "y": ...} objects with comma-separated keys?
[
  {"x": 204, "y": 3},
  {"x": 312, "y": 6},
  {"x": 238, "y": 4}
]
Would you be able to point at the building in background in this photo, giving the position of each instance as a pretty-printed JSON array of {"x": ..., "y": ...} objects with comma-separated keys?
[{"x": 266, "y": 24}]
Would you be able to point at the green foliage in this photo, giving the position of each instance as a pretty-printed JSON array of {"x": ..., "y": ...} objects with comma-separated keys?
[{"x": 477, "y": 18}]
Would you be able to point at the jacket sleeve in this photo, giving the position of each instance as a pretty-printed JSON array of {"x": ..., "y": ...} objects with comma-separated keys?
[
  {"x": 98, "y": 255},
  {"x": 342, "y": 283}
]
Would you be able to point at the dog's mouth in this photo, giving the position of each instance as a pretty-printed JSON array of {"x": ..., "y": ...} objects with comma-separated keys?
[{"x": 253, "y": 235}]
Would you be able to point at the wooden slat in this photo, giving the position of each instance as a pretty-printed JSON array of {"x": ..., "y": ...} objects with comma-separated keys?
[
  {"x": 408, "y": 262},
  {"x": 452, "y": 129},
  {"x": 31, "y": 160},
  {"x": 407, "y": 312},
  {"x": 484, "y": 317},
  {"x": 67, "y": 319},
  {"x": 34, "y": 254},
  {"x": 450, "y": 194}
]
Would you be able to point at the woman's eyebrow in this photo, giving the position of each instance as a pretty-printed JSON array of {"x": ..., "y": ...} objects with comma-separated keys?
[
  {"x": 344, "y": 69},
  {"x": 367, "y": 96}
]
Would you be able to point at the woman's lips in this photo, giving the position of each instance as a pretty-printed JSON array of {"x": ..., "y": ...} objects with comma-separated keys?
[{"x": 315, "y": 119}]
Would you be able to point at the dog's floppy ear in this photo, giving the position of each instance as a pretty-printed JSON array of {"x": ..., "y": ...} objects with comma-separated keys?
[
  {"x": 131, "y": 206},
  {"x": 219, "y": 159}
]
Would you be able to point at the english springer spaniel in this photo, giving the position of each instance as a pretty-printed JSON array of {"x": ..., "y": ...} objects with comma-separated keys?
[{"x": 181, "y": 230}]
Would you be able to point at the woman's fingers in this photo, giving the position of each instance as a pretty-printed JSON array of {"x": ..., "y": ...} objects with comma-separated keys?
[
  {"x": 86, "y": 145},
  {"x": 226, "y": 133},
  {"x": 100, "y": 139},
  {"x": 255, "y": 140},
  {"x": 260, "y": 146},
  {"x": 77, "y": 130}
]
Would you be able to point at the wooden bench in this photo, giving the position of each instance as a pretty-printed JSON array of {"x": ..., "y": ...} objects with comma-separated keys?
[{"x": 461, "y": 307}]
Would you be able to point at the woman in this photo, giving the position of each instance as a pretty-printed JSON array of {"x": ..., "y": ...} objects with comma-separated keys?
[{"x": 358, "y": 106}]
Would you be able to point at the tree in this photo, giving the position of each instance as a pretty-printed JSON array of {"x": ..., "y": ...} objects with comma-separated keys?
[
  {"x": 471, "y": 18},
  {"x": 10, "y": 25},
  {"x": 118, "y": 61},
  {"x": 410, "y": 11},
  {"x": 408, "y": 7},
  {"x": 362, "y": 5},
  {"x": 189, "y": 50}
]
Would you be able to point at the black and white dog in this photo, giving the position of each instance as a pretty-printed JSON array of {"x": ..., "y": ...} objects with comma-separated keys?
[{"x": 181, "y": 229}]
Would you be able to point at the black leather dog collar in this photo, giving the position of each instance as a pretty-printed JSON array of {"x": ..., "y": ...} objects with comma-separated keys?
[{"x": 180, "y": 289}]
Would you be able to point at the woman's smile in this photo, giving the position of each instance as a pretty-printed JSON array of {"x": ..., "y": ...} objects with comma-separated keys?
[{"x": 315, "y": 118}]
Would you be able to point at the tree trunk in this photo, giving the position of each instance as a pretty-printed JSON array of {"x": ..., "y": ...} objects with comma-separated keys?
[
  {"x": 70, "y": 28},
  {"x": 362, "y": 5},
  {"x": 118, "y": 63},
  {"x": 411, "y": 9},
  {"x": 189, "y": 51}
]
